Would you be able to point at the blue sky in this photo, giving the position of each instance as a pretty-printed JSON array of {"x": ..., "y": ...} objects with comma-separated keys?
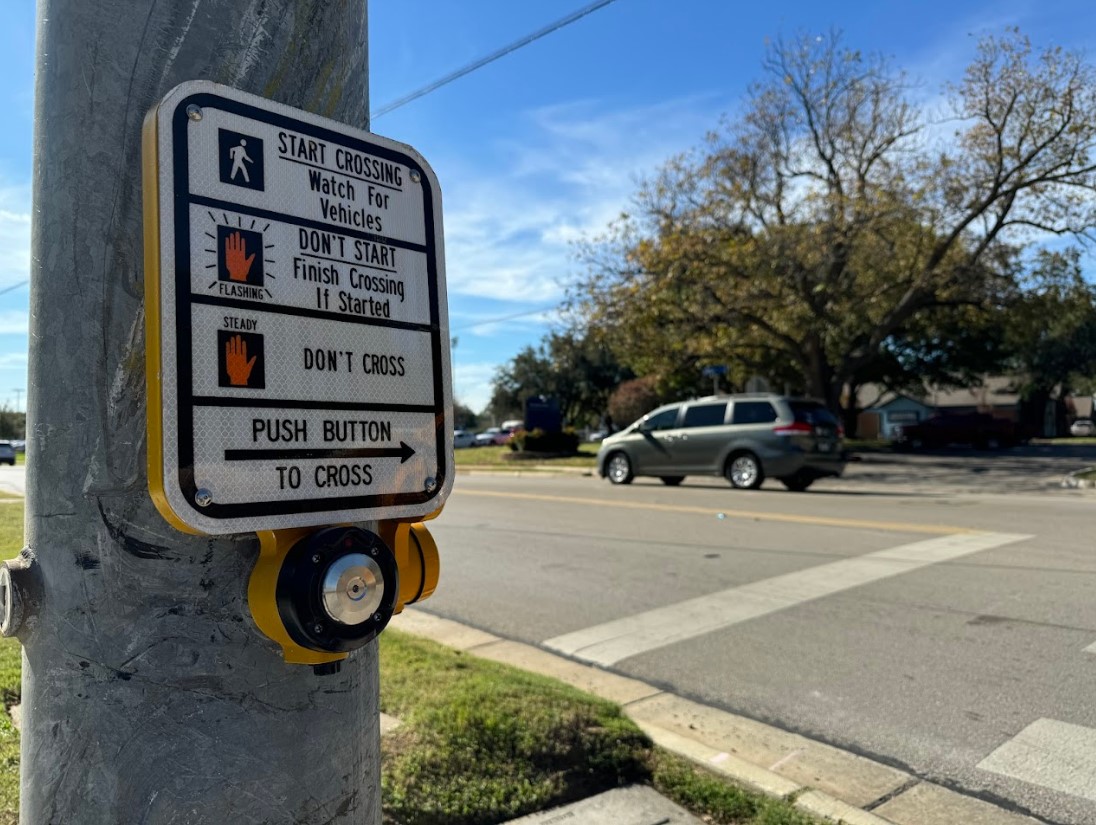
[{"x": 546, "y": 145}]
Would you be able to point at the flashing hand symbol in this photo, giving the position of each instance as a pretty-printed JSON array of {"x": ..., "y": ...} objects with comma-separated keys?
[
  {"x": 237, "y": 365},
  {"x": 235, "y": 249}
]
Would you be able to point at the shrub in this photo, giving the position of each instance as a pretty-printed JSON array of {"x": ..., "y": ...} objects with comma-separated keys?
[{"x": 539, "y": 441}]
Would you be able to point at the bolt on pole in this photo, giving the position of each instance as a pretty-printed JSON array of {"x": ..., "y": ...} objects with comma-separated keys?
[{"x": 148, "y": 693}]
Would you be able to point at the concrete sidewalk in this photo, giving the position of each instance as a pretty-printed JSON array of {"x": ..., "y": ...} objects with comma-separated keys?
[{"x": 825, "y": 781}]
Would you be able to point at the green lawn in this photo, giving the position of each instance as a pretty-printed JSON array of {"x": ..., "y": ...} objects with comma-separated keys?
[
  {"x": 498, "y": 457},
  {"x": 481, "y": 743},
  {"x": 11, "y": 542}
]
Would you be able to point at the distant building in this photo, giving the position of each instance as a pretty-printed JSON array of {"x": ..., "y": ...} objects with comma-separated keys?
[{"x": 886, "y": 410}]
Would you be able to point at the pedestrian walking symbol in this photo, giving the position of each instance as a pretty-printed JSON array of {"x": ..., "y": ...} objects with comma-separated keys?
[
  {"x": 241, "y": 159},
  {"x": 240, "y": 360},
  {"x": 239, "y": 256}
]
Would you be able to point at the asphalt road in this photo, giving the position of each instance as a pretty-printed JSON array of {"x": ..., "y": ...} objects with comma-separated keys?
[
  {"x": 13, "y": 479},
  {"x": 939, "y": 631}
]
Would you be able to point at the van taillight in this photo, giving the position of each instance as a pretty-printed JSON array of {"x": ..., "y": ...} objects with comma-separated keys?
[{"x": 798, "y": 428}]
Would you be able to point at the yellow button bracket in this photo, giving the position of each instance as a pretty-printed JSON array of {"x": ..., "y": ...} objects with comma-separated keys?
[
  {"x": 417, "y": 558},
  {"x": 321, "y": 593}
]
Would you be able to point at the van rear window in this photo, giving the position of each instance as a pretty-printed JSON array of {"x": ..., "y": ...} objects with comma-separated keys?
[{"x": 813, "y": 413}]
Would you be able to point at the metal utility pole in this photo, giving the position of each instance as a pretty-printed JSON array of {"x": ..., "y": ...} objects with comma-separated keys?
[{"x": 148, "y": 693}]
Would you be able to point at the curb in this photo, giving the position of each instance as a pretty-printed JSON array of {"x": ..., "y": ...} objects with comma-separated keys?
[
  {"x": 822, "y": 780},
  {"x": 1073, "y": 482}
]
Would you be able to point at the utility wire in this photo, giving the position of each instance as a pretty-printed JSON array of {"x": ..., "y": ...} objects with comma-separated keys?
[
  {"x": 491, "y": 58},
  {"x": 499, "y": 320},
  {"x": 13, "y": 287}
]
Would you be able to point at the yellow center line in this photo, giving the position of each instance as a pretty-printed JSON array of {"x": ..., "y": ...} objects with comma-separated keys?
[{"x": 757, "y": 515}]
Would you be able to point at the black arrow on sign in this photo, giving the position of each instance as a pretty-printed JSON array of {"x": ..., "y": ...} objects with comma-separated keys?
[{"x": 402, "y": 452}]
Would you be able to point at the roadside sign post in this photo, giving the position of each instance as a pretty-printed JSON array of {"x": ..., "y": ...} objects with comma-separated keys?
[{"x": 148, "y": 692}]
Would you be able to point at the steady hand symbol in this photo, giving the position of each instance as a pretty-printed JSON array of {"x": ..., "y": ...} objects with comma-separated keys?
[
  {"x": 236, "y": 364},
  {"x": 238, "y": 266}
]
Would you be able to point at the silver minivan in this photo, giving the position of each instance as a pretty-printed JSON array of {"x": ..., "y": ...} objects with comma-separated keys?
[{"x": 745, "y": 438}]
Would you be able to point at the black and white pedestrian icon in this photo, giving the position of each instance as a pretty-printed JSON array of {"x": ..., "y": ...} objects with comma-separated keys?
[{"x": 241, "y": 159}]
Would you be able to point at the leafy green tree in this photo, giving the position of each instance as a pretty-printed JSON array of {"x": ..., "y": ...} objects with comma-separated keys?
[
  {"x": 576, "y": 370},
  {"x": 821, "y": 231},
  {"x": 12, "y": 424},
  {"x": 1050, "y": 329},
  {"x": 464, "y": 418}
]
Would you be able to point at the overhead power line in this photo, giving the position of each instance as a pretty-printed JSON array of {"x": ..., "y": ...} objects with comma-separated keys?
[
  {"x": 501, "y": 319},
  {"x": 491, "y": 58}
]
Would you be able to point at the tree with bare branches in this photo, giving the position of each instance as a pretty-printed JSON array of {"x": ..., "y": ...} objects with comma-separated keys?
[{"x": 834, "y": 213}]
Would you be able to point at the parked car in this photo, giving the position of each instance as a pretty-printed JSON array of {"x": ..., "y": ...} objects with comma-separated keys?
[
  {"x": 1082, "y": 426},
  {"x": 982, "y": 430},
  {"x": 745, "y": 438},
  {"x": 491, "y": 436},
  {"x": 7, "y": 453},
  {"x": 463, "y": 438}
]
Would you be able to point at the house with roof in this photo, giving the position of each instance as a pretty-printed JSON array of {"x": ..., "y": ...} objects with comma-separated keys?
[{"x": 885, "y": 410}]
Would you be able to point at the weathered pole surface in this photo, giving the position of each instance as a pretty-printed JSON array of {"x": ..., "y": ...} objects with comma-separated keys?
[{"x": 148, "y": 694}]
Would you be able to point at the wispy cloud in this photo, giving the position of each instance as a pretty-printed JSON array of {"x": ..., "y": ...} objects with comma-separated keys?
[
  {"x": 472, "y": 383},
  {"x": 14, "y": 233},
  {"x": 14, "y": 322},
  {"x": 572, "y": 169}
]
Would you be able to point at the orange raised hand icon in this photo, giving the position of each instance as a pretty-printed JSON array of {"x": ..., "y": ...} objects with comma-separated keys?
[
  {"x": 237, "y": 261},
  {"x": 237, "y": 364}
]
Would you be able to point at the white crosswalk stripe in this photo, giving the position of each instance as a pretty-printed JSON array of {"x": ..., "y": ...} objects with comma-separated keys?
[
  {"x": 609, "y": 643},
  {"x": 1053, "y": 754}
]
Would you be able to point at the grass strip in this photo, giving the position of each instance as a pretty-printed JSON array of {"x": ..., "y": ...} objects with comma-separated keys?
[
  {"x": 483, "y": 743},
  {"x": 497, "y": 457},
  {"x": 11, "y": 542}
]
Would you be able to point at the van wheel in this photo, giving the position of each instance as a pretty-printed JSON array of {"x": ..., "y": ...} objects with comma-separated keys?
[
  {"x": 797, "y": 484},
  {"x": 619, "y": 469},
  {"x": 671, "y": 481},
  {"x": 744, "y": 471}
]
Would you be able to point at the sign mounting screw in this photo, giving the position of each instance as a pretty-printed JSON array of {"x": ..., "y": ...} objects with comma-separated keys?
[
  {"x": 202, "y": 497},
  {"x": 415, "y": 176},
  {"x": 194, "y": 112},
  {"x": 430, "y": 484}
]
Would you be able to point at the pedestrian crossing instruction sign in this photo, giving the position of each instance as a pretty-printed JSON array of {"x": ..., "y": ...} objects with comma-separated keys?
[{"x": 297, "y": 332}]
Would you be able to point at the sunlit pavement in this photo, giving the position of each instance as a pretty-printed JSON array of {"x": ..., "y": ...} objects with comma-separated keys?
[{"x": 13, "y": 479}]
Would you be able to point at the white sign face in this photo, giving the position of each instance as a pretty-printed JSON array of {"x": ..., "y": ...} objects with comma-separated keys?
[{"x": 297, "y": 324}]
